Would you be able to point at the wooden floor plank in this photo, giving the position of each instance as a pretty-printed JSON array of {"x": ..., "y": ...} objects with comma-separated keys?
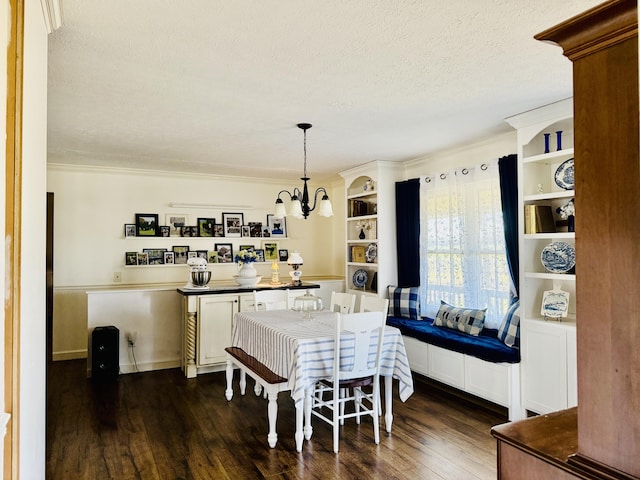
[{"x": 159, "y": 425}]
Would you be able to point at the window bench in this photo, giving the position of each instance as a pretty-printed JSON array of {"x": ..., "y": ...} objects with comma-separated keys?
[{"x": 482, "y": 365}]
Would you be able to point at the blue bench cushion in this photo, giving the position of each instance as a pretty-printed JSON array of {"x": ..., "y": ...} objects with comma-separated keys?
[{"x": 485, "y": 346}]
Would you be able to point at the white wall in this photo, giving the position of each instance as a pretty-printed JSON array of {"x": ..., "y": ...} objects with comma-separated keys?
[
  {"x": 93, "y": 204},
  {"x": 466, "y": 156},
  {"x": 33, "y": 267}
]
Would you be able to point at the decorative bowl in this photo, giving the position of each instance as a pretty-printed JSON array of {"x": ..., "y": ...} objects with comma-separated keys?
[
  {"x": 247, "y": 281},
  {"x": 200, "y": 278}
]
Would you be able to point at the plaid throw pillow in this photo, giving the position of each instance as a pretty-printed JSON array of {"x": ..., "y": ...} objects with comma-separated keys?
[
  {"x": 404, "y": 303},
  {"x": 467, "y": 320},
  {"x": 509, "y": 331}
]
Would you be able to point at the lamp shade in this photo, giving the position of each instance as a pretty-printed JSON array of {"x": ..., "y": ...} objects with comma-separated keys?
[
  {"x": 295, "y": 259},
  {"x": 295, "y": 210},
  {"x": 280, "y": 211},
  {"x": 326, "y": 210}
]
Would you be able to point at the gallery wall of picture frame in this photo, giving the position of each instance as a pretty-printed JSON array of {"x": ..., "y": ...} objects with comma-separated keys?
[
  {"x": 231, "y": 227},
  {"x": 267, "y": 251}
]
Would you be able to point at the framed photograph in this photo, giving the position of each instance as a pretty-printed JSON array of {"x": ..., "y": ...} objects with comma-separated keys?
[
  {"x": 165, "y": 231},
  {"x": 265, "y": 231},
  {"x": 156, "y": 255},
  {"x": 246, "y": 231},
  {"x": 180, "y": 254},
  {"x": 205, "y": 227},
  {"x": 185, "y": 231},
  {"x": 131, "y": 258},
  {"x": 247, "y": 247},
  {"x": 270, "y": 251},
  {"x": 194, "y": 230},
  {"x": 192, "y": 254},
  {"x": 175, "y": 221},
  {"x": 142, "y": 258},
  {"x": 225, "y": 252},
  {"x": 283, "y": 255},
  {"x": 147, "y": 225},
  {"x": 255, "y": 229},
  {"x": 129, "y": 229},
  {"x": 212, "y": 256},
  {"x": 259, "y": 254},
  {"x": 202, "y": 254},
  {"x": 168, "y": 258},
  {"x": 233, "y": 224},
  {"x": 277, "y": 226},
  {"x": 218, "y": 230}
]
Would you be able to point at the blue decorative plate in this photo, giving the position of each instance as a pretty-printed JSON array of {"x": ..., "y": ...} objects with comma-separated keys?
[
  {"x": 558, "y": 257},
  {"x": 360, "y": 278},
  {"x": 564, "y": 175}
]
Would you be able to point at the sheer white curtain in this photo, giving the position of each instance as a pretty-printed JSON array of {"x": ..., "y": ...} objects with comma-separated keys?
[{"x": 462, "y": 247}]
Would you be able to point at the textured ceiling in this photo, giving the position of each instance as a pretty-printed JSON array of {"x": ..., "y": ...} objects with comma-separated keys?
[{"x": 218, "y": 86}]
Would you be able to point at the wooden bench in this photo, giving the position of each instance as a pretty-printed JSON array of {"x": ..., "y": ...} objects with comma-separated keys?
[{"x": 266, "y": 379}]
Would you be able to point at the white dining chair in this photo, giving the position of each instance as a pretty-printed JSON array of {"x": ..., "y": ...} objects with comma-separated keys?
[
  {"x": 369, "y": 303},
  {"x": 342, "y": 302},
  {"x": 354, "y": 374},
  {"x": 271, "y": 299}
]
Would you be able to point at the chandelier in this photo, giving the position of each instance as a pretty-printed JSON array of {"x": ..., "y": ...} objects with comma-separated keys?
[{"x": 299, "y": 207}]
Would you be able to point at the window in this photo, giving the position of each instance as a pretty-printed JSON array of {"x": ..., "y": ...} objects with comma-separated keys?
[{"x": 462, "y": 247}]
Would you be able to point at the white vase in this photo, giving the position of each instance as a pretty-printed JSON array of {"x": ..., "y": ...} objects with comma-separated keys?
[
  {"x": 247, "y": 270},
  {"x": 247, "y": 275}
]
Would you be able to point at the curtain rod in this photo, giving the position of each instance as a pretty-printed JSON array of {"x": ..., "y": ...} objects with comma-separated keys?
[{"x": 464, "y": 171}]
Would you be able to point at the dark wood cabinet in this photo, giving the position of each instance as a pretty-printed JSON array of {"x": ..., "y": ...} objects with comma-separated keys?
[{"x": 602, "y": 43}]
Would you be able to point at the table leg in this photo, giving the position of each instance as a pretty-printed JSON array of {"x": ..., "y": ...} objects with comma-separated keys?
[
  {"x": 272, "y": 410},
  {"x": 388, "y": 407},
  {"x": 300, "y": 412},
  {"x": 308, "y": 429},
  {"x": 228, "y": 393},
  {"x": 243, "y": 382}
]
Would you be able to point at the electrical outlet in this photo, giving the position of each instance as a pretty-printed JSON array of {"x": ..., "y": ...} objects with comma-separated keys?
[
  {"x": 117, "y": 276},
  {"x": 132, "y": 338}
]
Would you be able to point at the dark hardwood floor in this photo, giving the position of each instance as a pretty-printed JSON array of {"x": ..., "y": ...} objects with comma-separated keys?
[{"x": 159, "y": 425}]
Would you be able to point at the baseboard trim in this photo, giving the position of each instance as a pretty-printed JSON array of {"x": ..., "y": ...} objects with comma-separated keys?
[{"x": 69, "y": 355}]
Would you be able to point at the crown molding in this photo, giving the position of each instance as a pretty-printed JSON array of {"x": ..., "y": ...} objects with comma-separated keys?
[{"x": 52, "y": 13}]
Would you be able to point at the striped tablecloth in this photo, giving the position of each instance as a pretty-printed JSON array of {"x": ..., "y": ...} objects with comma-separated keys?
[{"x": 302, "y": 350}]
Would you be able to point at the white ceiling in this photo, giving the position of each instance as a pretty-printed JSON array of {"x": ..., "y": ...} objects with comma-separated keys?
[{"x": 218, "y": 86}]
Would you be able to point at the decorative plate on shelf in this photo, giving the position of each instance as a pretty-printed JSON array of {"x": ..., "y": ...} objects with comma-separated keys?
[
  {"x": 555, "y": 303},
  {"x": 564, "y": 175},
  {"x": 360, "y": 278},
  {"x": 558, "y": 257},
  {"x": 371, "y": 253}
]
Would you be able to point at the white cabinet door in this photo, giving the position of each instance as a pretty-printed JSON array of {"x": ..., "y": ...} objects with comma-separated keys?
[
  {"x": 545, "y": 366},
  {"x": 572, "y": 368},
  {"x": 446, "y": 366},
  {"x": 215, "y": 317},
  {"x": 417, "y": 355}
]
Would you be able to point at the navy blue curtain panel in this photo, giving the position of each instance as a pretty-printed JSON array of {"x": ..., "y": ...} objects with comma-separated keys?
[
  {"x": 508, "y": 167},
  {"x": 408, "y": 232}
]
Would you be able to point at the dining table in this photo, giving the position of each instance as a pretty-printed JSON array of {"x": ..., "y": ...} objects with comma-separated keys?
[{"x": 299, "y": 347}]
